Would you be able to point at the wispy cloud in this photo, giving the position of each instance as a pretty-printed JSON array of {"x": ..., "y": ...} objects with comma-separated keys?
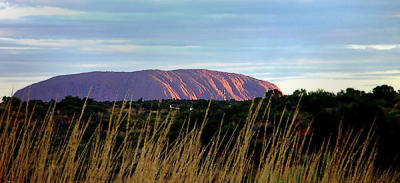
[
  {"x": 333, "y": 85},
  {"x": 396, "y": 15},
  {"x": 13, "y": 12},
  {"x": 60, "y": 42},
  {"x": 23, "y": 79},
  {"x": 11, "y": 84},
  {"x": 264, "y": 66},
  {"x": 336, "y": 81},
  {"x": 95, "y": 45},
  {"x": 16, "y": 48},
  {"x": 373, "y": 46},
  {"x": 97, "y": 66},
  {"x": 375, "y": 75},
  {"x": 133, "y": 48}
]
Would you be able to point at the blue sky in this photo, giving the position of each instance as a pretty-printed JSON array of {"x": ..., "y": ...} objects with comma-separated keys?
[{"x": 309, "y": 44}]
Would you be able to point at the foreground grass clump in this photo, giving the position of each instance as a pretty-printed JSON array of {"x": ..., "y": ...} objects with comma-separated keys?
[{"x": 33, "y": 151}]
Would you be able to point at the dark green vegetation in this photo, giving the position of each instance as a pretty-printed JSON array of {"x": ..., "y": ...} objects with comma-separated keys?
[{"x": 351, "y": 108}]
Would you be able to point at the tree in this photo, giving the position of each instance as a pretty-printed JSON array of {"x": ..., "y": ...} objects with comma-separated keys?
[
  {"x": 385, "y": 93},
  {"x": 300, "y": 92},
  {"x": 4, "y": 99},
  {"x": 15, "y": 101},
  {"x": 351, "y": 92},
  {"x": 273, "y": 92}
]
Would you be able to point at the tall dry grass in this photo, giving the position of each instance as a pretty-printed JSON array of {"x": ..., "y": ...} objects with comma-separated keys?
[{"x": 29, "y": 153}]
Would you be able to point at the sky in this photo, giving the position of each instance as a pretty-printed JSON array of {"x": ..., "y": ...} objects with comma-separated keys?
[{"x": 310, "y": 44}]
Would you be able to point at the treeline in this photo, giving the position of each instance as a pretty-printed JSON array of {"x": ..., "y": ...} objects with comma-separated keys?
[{"x": 353, "y": 109}]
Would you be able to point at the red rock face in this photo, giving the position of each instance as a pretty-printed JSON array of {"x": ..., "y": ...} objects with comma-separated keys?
[{"x": 149, "y": 85}]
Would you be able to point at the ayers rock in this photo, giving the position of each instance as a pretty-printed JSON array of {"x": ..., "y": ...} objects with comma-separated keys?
[{"x": 149, "y": 85}]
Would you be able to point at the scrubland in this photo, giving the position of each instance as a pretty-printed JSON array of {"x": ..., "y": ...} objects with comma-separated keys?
[{"x": 123, "y": 150}]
